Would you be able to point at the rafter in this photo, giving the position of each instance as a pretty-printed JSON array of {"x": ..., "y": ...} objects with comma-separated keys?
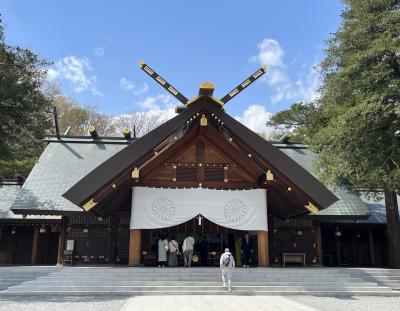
[
  {"x": 244, "y": 84},
  {"x": 164, "y": 83}
]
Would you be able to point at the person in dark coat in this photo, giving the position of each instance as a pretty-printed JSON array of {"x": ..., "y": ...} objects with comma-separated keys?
[
  {"x": 247, "y": 251},
  {"x": 203, "y": 251}
]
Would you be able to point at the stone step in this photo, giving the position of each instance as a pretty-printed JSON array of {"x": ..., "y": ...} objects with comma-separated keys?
[
  {"x": 206, "y": 283},
  {"x": 221, "y": 291},
  {"x": 197, "y": 280},
  {"x": 193, "y": 276},
  {"x": 195, "y": 287},
  {"x": 191, "y": 271},
  {"x": 193, "y": 281}
]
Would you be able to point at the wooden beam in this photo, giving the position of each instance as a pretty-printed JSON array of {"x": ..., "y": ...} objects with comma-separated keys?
[
  {"x": 263, "y": 248},
  {"x": 125, "y": 176},
  {"x": 61, "y": 240},
  {"x": 228, "y": 150},
  {"x": 170, "y": 152},
  {"x": 264, "y": 163},
  {"x": 200, "y": 150},
  {"x": 194, "y": 184},
  {"x": 35, "y": 243},
  {"x": 134, "y": 247}
]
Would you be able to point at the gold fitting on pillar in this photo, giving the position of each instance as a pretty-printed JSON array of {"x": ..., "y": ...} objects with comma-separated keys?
[
  {"x": 270, "y": 176},
  {"x": 135, "y": 173},
  {"x": 89, "y": 205},
  {"x": 311, "y": 207}
]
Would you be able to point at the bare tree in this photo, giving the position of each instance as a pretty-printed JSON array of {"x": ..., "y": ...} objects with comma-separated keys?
[{"x": 141, "y": 122}]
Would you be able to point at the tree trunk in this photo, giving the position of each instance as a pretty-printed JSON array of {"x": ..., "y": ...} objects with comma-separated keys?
[{"x": 393, "y": 228}]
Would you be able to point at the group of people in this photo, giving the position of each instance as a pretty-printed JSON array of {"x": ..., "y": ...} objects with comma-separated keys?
[{"x": 168, "y": 251}]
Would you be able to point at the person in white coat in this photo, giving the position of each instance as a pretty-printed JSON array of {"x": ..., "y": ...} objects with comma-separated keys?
[{"x": 227, "y": 263}]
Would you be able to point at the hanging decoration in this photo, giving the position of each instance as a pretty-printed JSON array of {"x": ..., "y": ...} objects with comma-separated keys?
[{"x": 154, "y": 208}]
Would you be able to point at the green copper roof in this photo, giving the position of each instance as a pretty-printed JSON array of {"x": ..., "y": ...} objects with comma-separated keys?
[{"x": 349, "y": 205}]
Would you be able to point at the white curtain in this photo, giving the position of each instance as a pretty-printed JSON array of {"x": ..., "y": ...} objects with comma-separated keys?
[{"x": 237, "y": 209}]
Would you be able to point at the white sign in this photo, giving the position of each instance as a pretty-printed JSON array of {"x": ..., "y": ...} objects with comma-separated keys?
[{"x": 70, "y": 245}]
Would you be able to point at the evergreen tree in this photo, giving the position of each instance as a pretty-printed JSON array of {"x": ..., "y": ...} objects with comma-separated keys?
[
  {"x": 355, "y": 125},
  {"x": 24, "y": 109}
]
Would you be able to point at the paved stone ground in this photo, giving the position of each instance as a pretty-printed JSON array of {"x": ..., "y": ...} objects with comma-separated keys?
[{"x": 200, "y": 303}]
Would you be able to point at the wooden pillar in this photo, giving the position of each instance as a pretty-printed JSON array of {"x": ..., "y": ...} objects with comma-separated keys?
[
  {"x": 263, "y": 251},
  {"x": 134, "y": 247},
  {"x": 318, "y": 243},
  {"x": 61, "y": 240},
  {"x": 113, "y": 238},
  {"x": 371, "y": 247},
  {"x": 35, "y": 243},
  {"x": 13, "y": 247},
  {"x": 338, "y": 256}
]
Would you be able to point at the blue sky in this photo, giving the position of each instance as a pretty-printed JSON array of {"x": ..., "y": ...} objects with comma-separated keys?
[{"x": 96, "y": 45}]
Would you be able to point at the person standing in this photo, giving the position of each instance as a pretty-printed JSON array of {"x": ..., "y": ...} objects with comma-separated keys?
[
  {"x": 204, "y": 251},
  {"x": 173, "y": 247},
  {"x": 227, "y": 263},
  {"x": 247, "y": 251},
  {"x": 162, "y": 250},
  {"x": 187, "y": 248},
  {"x": 238, "y": 251}
]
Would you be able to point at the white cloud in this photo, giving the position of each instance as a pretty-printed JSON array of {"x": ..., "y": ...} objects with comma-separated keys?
[
  {"x": 255, "y": 117},
  {"x": 303, "y": 88},
  {"x": 159, "y": 103},
  {"x": 99, "y": 52},
  {"x": 130, "y": 86},
  {"x": 270, "y": 53},
  {"x": 75, "y": 71}
]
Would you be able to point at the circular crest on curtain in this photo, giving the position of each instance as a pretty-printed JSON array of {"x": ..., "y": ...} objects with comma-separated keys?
[
  {"x": 235, "y": 209},
  {"x": 163, "y": 208}
]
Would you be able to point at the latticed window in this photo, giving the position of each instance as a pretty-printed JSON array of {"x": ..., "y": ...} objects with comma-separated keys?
[
  {"x": 186, "y": 173},
  {"x": 214, "y": 174}
]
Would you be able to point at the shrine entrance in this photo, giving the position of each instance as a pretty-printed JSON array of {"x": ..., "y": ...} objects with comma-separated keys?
[{"x": 210, "y": 242}]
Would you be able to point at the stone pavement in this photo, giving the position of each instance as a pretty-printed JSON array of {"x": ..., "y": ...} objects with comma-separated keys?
[{"x": 199, "y": 303}]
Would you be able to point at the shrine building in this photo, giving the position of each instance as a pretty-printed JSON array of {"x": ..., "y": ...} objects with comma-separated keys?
[{"x": 105, "y": 200}]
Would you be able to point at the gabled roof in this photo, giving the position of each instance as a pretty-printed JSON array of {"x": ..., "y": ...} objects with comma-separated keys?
[
  {"x": 7, "y": 196},
  {"x": 42, "y": 195},
  {"x": 125, "y": 160},
  {"x": 59, "y": 167},
  {"x": 349, "y": 204}
]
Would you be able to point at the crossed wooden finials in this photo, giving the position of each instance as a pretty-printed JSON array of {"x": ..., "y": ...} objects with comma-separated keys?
[{"x": 206, "y": 88}]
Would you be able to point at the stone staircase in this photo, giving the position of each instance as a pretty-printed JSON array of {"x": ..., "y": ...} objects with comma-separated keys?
[
  {"x": 13, "y": 275},
  {"x": 197, "y": 281},
  {"x": 384, "y": 277}
]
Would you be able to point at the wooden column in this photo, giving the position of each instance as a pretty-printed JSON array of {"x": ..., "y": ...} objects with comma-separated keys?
[
  {"x": 113, "y": 238},
  {"x": 35, "y": 243},
  {"x": 338, "y": 256},
  {"x": 318, "y": 243},
  {"x": 371, "y": 247},
  {"x": 12, "y": 248},
  {"x": 134, "y": 247},
  {"x": 61, "y": 240},
  {"x": 263, "y": 251}
]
